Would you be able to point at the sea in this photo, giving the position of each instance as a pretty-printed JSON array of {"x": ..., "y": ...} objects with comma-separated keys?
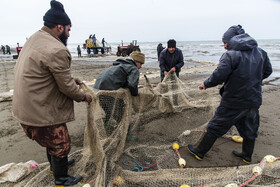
[
  {"x": 193, "y": 51},
  {"x": 198, "y": 51}
]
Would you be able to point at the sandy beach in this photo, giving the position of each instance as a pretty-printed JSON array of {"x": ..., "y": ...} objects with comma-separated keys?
[{"x": 16, "y": 147}]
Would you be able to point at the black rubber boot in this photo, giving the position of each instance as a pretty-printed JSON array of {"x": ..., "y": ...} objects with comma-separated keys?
[
  {"x": 204, "y": 146},
  {"x": 50, "y": 161},
  {"x": 247, "y": 150},
  {"x": 71, "y": 161},
  {"x": 130, "y": 137},
  {"x": 60, "y": 169}
]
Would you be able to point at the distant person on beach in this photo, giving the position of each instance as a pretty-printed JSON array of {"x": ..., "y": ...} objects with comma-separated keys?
[
  {"x": 8, "y": 50},
  {"x": 241, "y": 69},
  {"x": 171, "y": 59},
  {"x": 103, "y": 42},
  {"x": 44, "y": 90},
  {"x": 159, "y": 49},
  {"x": 3, "y": 49},
  {"x": 123, "y": 74},
  {"x": 94, "y": 40},
  {"x": 79, "y": 51}
]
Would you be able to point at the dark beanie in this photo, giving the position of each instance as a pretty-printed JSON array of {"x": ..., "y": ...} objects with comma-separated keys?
[
  {"x": 56, "y": 14},
  {"x": 171, "y": 43},
  {"x": 231, "y": 32}
]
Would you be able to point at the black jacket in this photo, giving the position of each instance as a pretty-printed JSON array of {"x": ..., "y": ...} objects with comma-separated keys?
[
  {"x": 159, "y": 49},
  {"x": 242, "y": 69},
  {"x": 123, "y": 74},
  {"x": 169, "y": 60}
]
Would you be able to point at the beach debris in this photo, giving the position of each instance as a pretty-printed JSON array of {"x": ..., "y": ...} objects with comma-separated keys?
[
  {"x": 6, "y": 96},
  {"x": 13, "y": 172}
]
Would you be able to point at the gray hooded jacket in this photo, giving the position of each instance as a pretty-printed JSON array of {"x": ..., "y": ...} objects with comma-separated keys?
[{"x": 123, "y": 74}]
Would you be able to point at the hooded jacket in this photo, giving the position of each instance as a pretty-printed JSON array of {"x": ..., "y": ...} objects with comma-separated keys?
[
  {"x": 123, "y": 74},
  {"x": 169, "y": 60},
  {"x": 242, "y": 69},
  {"x": 44, "y": 89}
]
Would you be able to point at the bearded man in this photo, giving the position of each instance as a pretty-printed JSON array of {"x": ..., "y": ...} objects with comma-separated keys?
[{"x": 44, "y": 91}]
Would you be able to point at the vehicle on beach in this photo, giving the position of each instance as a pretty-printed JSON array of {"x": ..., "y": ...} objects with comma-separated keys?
[
  {"x": 95, "y": 46},
  {"x": 18, "y": 48},
  {"x": 126, "y": 50}
]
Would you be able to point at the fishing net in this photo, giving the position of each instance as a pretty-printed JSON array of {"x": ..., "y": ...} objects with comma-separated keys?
[{"x": 128, "y": 141}]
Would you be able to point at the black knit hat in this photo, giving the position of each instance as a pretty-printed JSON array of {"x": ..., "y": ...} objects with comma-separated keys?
[
  {"x": 56, "y": 14},
  {"x": 171, "y": 43},
  {"x": 231, "y": 32}
]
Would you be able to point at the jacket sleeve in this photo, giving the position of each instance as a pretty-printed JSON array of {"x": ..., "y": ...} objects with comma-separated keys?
[
  {"x": 180, "y": 63},
  {"x": 221, "y": 73},
  {"x": 132, "y": 80},
  {"x": 60, "y": 69},
  {"x": 162, "y": 61},
  {"x": 267, "y": 70}
]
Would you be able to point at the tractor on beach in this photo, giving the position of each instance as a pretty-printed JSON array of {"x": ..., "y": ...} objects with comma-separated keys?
[{"x": 126, "y": 50}]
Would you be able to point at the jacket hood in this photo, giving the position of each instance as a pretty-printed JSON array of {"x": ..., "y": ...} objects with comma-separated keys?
[
  {"x": 242, "y": 42},
  {"x": 124, "y": 61}
]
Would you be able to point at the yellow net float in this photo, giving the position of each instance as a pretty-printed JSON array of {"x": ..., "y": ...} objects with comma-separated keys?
[
  {"x": 182, "y": 162},
  {"x": 186, "y": 132},
  {"x": 118, "y": 181},
  {"x": 257, "y": 170},
  {"x": 175, "y": 146},
  {"x": 86, "y": 185},
  {"x": 231, "y": 185},
  {"x": 185, "y": 185},
  {"x": 237, "y": 139},
  {"x": 270, "y": 158}
]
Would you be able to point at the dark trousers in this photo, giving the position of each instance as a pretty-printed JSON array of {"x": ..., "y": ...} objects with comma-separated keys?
[
  {"x": 55, "y": 138},
  {"x": 245, "y": 120}
]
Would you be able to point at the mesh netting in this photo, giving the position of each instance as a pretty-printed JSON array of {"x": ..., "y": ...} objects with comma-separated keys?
[{"x": 128, "y": 141}]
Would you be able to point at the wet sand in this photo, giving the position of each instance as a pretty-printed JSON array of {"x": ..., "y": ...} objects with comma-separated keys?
[{"x": 16, "y": 147}]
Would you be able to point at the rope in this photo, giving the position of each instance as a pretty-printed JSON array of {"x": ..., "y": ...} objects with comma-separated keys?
[
  {"x": 136, "y": 166},
  {"x": 261, "y": 164},
  {"x": 161, "y": 160}
]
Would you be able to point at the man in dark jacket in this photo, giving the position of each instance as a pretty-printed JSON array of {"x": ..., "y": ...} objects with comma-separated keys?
[
  {"x": 171, "y": 59},
  {"x": 242, "y": 69},
  {"x": 3, "y": 49},
  {"x": 8, "y": 49},
  {"x": 159, "y": 49},
  {"x": 123, "y": 74}
]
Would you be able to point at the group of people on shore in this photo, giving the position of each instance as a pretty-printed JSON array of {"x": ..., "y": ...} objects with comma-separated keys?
[
  {"x": 6, "y": 50},
  {"x": 44, "y": 89}
]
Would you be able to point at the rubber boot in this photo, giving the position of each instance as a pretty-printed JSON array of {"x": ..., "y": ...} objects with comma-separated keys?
[
  {"x": 130, "y": 137},
  {"x": 204, "y": 146},
  {"x": 247, "y": 150},
  {"x": 71, "y": 161},
  {"x": 50, "y": 161},
  {"x": 60, "y": 169}
]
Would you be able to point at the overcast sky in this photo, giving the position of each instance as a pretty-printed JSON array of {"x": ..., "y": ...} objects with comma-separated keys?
[{"x": 144, "y": 20}]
